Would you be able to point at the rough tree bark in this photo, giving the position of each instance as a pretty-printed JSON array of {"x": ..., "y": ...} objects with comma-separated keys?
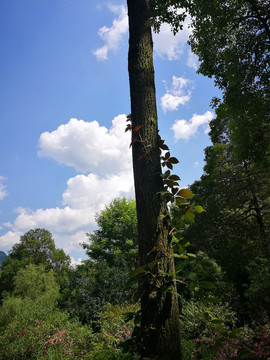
[{"x": 160, "y": 317}]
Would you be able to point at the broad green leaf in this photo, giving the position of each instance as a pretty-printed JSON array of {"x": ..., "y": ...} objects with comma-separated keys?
[
  {"x": 186, "y": 193},
  {"x": 199, "y": 209},
  {"x": 180, "y": 200},
  {"x": 175, "y": 177},
  {"x": 189, "y": 215}
]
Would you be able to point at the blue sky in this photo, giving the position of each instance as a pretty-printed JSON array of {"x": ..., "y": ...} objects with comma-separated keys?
[{"x": 64, "y": 95}]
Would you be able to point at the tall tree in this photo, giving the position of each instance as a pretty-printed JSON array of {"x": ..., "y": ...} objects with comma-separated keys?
[
  {"x": 115, "y": 241},
  {"x": 35, "y": 247},
  {"x": 160, "y": 328}
]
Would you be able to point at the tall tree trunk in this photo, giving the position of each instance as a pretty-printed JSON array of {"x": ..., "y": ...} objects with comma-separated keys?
[{"x": 160, "y": 316}]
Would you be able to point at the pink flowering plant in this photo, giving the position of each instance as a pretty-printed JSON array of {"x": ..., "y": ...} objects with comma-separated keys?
[
  {"x": 114, "y": 329},
  {"x": 239, "y": 343}
]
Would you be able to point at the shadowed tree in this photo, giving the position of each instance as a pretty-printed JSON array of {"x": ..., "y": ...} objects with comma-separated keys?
[{"x": 160, "y": 328}]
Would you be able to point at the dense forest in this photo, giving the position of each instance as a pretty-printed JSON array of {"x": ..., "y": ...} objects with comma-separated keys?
[{"x": 198, "y": 257}]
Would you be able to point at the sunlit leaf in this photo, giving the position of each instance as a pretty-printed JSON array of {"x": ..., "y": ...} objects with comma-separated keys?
[
  {"x": 186, "y": 193},
  {"x": 199, "y": 209},
  {"x": 180, "y": 200},
  {"x": 189, "y": 215}
]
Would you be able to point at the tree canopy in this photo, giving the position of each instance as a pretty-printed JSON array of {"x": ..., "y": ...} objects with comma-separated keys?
[
  {"x": 35, "y": 247},
  {"x": 115, "y": 241}
]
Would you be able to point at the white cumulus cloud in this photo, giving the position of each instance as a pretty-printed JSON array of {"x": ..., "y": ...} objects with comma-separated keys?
[
  {"x": 95, "y": 192},
  {"x": 56, "y": 219},
  {"x": 186, "y": 129},
  {"x": 168, "y": 45},
  {"x": 113, "y": 35},
  {"x": 9, "y": 239},
  {"x": 178, "y": 93},
  {"x": 3, "y": 192},
  {"x": 82, "y": 199},
  {"x": 87, "y": 146}
]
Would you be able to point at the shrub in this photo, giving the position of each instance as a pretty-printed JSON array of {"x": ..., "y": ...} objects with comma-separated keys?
[
  {"x": 200, "y": 319},
  {"x": 113, "y": 328}
]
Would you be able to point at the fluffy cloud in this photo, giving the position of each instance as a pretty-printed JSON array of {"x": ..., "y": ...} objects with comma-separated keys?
[
  {"x": 84, "y": 196},
  {"x": 87, "y": 146},
  {"x": 112, "y": 36},
  {"x": 166, "y": 45},
  {"x": 185, "y": 129},
  {"x": 177, "y": 93},
  {"x": 56, "y": 219},
  {"x": 9, "y": 239},
  {"x": 3, "y": 192},
  {"x": 95, "y": 192}
]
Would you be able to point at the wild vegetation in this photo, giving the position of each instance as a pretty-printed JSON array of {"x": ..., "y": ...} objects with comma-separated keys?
[{"x": 196, "y": 257}]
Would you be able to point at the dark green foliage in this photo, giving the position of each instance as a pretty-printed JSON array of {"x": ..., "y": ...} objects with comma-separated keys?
[
  {"x": 234, "y": 229},
  {"x": 2, "y": 256},
  {"x": 91, "y": 287},
  {"x": 258, "y": 291},
  {"x": 232, "y": 41}
]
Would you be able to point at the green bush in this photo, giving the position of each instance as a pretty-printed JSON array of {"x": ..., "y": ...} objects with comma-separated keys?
[
  {"x": 31, "y": 325},
  {"x": 200, "y": 319},
  {"x": 113, "y": 328}
]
